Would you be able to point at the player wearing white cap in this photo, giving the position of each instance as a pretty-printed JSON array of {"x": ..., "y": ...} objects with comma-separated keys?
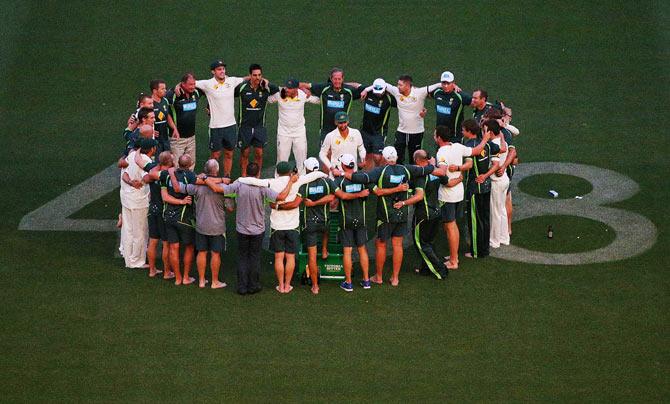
[
  {"x": 314, "y": 218},
  {"x": 450, "y": 103},
  {"x": 291, "y": 132},
  {"x": 411, "y": 111},
  {"x": 341, "y": 141},
  {"x": 376, "y": 112}
]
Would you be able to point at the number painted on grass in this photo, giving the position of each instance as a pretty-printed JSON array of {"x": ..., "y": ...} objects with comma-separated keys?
[{"x": 634, "y": 232}]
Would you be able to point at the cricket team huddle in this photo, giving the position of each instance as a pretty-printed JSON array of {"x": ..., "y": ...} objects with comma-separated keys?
[{"x": 164, "y": 202}]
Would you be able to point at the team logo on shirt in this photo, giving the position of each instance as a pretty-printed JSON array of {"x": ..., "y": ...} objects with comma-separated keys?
[
  {"x": 161, "y": 115},
  {"x": 253, "y": 103},
  {"x": 353, "y": 188}
]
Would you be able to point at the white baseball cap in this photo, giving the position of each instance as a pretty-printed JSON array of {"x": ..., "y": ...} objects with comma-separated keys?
[
  {"x": 447, "y": 76},
  {"x": 389, "y": 153},
  {"x": 348, "y": 160},
  {"x": 378, "y": 86},
  {"x": 311, "y": 164}
]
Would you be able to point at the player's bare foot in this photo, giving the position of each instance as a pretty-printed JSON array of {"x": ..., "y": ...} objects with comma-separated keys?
[
  {"x": 279, "y": 289},
  {"x": 289, "y": 289},
  {"x": 452, "y": 266},
  {"x": 324, "y": 255},
  {"x": 394, "y": 282},
  {"x": 218, "y": 285},
  {"x": 177, "y": 282},
  {"x": 188, "y": 281},
  {"x": 168, "y": 275},
  {"x": 315, "y": 290},
  {"x": 376, "y": 280},
  {"x": 154, "y": 272},
  {"x": 119, "y": 223}
]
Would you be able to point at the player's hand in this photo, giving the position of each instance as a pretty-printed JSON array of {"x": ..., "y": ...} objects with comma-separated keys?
[
  {"x": 225, "y": 180},
  {"x": 123, "y": 163},
  {"x": 399, "y": 204},
  {"x": 201, "y": 176},
  {"x": 457, "y": 88},
  {"x": 132, "y": 122},
  {"x": 362, "y": 164},
  {"x": 137, "y": 184},
  {"x": 294, "y": 178},
  {"x": 364, "y": 193},
  {"x": 364, "y": 94},
  {"x": 500, "y": 172},
  {"x": 273, "y": 205},
  {"x": 309, "y": 203},
  {"x": 177, "y": 90},
  {"x": 171, "y": 170},
  {"x": 453, "y": 168},
  {"x": 423, "y": 112},
  {"x": 480, "y": 179},
  {"x": 187, "y": 201},
  {"x": 403, "y": 187},
  {"x": 156, "y": 134},
  {"x": 431, "y": 161},
  {"x": 336, "y": 172},
  {"x": 176, "y": 135},
  {"x": 265, "y": 83}
]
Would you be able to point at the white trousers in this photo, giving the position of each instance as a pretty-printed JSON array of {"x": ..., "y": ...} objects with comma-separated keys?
[
  {"x": 499, "y": 233},
  {"x": 134, "y": 236},
  {"x": 286, "y": 144}
]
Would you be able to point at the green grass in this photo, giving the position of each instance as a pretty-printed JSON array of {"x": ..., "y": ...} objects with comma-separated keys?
[
  {"x": 567, "y": 186},
  {"x": 587, "y": 82}
]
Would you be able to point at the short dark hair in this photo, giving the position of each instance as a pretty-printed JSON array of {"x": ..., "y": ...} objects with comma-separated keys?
[
  {"x": 141, "y": 97},
  {"x": 471, "y": 126},
  {"x": 252, "y": 169},
  {"x": 493, "y": 126},
  {"x": 482, "y": 93},
  {"x": 336, "y": 70},
  {"x": 255, "y": 66},
  {"x": 153, "y": 84},
  {"x": 405, "y": 77},
  {"x": 443, "y": 132},
  {"x": 187, "y": 76},
  {"x": 143, "y": 113},
  {"x": 493, "y": 113}
]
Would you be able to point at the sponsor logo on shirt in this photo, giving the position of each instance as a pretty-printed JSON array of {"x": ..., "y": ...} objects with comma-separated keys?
[
  {"x": 432, "y": 177},
  {"x": 316, "y": 190},
  {"x": 373, "y": 109},
  {"x": 353, "y": 188},
  {"x": 335, "y": 104},
  {"x": 441, "y": 109},
  {"x": 190, "y": 106},
  {"x": 397, "y": 179},
  {"x": 253, "y": 103}
]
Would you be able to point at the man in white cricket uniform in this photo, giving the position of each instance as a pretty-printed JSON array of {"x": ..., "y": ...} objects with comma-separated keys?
[
  {"x": 220, "y": 92},
  {"x": 411, "y": 111},
  {"x": 343, "y": 140},
  {"x": 499, "y": 185},
  {"x": 451, "y": 198},
  {"x": 134, "y": 195},
  {"x": 291, "y": 132},
  {"x": 285, "y": 220}
]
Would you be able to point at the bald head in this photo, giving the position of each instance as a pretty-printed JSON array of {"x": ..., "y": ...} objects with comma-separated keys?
[
  {"x": 165, "y": 159},
  {"x": 147, "y": 131},
  {"x": 185, "y": 162},
  {"x": 420, "y": 156}
]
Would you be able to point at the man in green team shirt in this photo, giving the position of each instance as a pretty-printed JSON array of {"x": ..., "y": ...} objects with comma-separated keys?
[
  {"x": 182, "y": 117},
  {"x": 314, "y": 217},
  {"x": 353, "y": 231},
  {"x": 450, "y": 103},
  {"x": 253, "y": 95}
]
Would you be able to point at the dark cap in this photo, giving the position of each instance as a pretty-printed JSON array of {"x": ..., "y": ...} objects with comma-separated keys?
[
  {"x": 217, "y": 63},
  {"x": 341, "y": 116},
  {"x": 285, "y": 167},
  {"x": 292, "y": 83}
]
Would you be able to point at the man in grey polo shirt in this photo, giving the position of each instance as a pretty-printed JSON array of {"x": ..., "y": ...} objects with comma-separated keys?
[{"x": 250, "y": 225}]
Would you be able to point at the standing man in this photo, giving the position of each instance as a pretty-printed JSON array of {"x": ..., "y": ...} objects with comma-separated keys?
[
  {"x": 291, "y": 132},
  {"x": 342, "y": 140},
  {"x": 220, "y": 92},
  {"x": 250, "y": 225},
  {"x": 285, "y": 220},
  {"x": 376, "y": 112},
  {"x": 411, "y": 111},
  {"x": 499, "y": 187},
  {"x": 316, "y": 196},
  {"x": 478, "y": 180},
  {"x": 451, "y": 197},
  {"x": 179, "y": 216},
  {"x": 391, "y": 185},
  {"x": 183, "y": 112},
  {"x": 162, "y": 113},
  {"x": 251, "y": 115},
  {"x": 335, "y": 96},
  {"x": 353, "y": 230},
  {"x": 135, "y": 206},
  {"x": 450, "y": 105}
]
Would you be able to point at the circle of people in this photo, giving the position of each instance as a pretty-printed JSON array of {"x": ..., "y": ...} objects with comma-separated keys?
[{"x": 165, "y": 202}]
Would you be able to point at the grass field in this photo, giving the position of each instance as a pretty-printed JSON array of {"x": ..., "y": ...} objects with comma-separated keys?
[{"x": 589, "y": 84}]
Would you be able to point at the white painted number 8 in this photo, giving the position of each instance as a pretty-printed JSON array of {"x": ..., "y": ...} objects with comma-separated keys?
[{"x": 634, "y": 233}]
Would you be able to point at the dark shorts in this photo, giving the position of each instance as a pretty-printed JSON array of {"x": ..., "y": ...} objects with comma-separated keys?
[
  {"x": 387, "y": 230},
  {"x": 285, "y": 241},
  {"x": 210, "y": 243},
  {"x": 179, "y": 233},
  {"x": 450, "y": 211},
  {"x": 373, "y": 143},
  {"x": 354, "y": 237},
  {"x": 157, "y": 228},
  {"x": 223, "y": 138},
  {"x": 313, "y": 233},
  {"x": 255, "y": 137}
]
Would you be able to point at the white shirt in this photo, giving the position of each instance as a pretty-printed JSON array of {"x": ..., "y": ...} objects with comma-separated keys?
[
  {"x": 221, "y": 99},
  {"x": 338, "y": 145},
  {"x": 131, "y": 197},
  {"x": 291, "y": 122},
  {"x": 447, "y": 155},
  {"x": 284, "y": 219},
  {"x": 501, "y": 157},
  {"x": 410, "y": 106}
]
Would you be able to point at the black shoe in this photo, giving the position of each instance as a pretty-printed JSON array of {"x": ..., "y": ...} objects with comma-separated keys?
[
  {"x": 254, "y": 290},
  {"x": 242, "y": 292},
  {"x": 444, "y": 273}
]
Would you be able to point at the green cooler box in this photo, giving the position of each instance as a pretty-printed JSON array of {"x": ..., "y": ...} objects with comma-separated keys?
[{"x": 331, "y": 267}]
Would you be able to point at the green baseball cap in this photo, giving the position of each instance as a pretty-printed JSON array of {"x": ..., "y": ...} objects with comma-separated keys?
[
  {"x": 285, "y": 167},
  {"x": 292, "y": 83},
  {"x": 217, "y": 63},
  {"x": 341, "y": 117}
]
